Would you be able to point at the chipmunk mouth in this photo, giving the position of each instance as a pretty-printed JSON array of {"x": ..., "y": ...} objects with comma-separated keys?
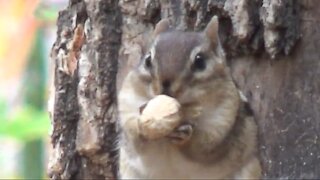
[{"x": 166, "y": 88}]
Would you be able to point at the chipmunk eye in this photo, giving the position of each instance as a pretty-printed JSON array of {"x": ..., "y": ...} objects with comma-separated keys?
[
  {"x": 147, "y": 61},
  {"x": 199, "y": 63}
]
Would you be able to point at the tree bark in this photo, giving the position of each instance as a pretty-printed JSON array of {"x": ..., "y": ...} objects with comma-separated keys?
[
  {"x": 84, "y": 109},
  {"x": 276, "y": 71}
]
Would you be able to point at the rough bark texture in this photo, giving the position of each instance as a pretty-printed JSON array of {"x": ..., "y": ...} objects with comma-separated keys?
[
  {"x": 84, "y": 101},
  {"x": 278, "y": 74},
  {"x": 285, "y": 96}
]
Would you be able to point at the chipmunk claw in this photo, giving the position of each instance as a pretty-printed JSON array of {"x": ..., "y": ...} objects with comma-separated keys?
[{"x": 181, "y": 134}]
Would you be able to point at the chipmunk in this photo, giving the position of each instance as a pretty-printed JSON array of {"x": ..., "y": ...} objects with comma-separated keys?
[{"x": 181, "y": 114}]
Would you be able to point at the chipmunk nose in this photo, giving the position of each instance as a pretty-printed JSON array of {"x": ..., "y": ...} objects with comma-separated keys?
[{"x": 166, "y": 88}]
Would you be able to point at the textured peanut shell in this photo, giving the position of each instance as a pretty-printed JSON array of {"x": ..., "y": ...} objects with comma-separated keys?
[{"x": 160, "y": 117}]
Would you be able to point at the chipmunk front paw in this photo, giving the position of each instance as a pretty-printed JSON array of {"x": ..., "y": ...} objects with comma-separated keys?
[{"x": 181, "y": 134}]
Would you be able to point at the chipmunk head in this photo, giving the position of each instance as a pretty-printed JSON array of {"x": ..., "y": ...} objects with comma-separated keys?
[{"x": 178, "y": 61}]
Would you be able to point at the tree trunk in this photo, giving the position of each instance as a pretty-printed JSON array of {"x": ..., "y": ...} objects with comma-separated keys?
[
  {"x": 83, "y": 102},
  {"x": 278, "y": 74}
]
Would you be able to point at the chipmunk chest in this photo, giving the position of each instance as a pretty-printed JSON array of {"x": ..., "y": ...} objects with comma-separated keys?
[
  {"x": 167, "y": 163},
  {"x": 160, "y": 161}
]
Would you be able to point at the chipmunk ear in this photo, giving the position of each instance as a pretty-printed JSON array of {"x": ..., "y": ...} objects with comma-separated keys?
[
  {"x": 212, "y": 31},
  {"x": 162, "y": 26}
]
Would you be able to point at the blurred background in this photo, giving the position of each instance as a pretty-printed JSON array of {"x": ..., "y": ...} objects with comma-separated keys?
[{"x": 27, "y": 32}]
